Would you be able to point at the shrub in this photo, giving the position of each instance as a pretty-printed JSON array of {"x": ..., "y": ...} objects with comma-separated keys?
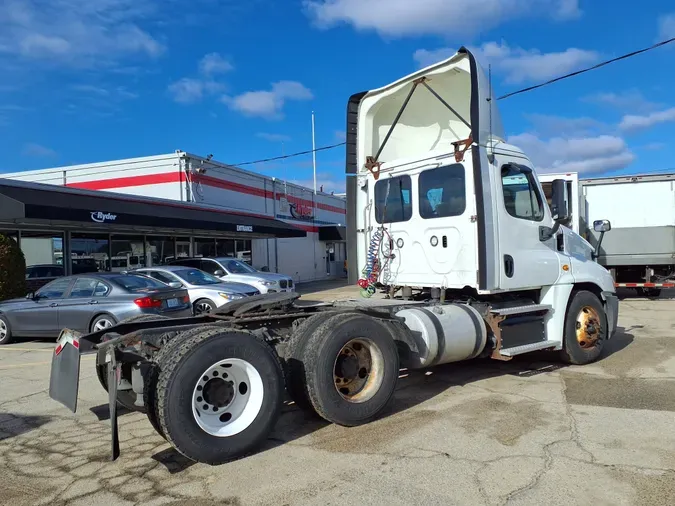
[{"x": 12, "y": 269}]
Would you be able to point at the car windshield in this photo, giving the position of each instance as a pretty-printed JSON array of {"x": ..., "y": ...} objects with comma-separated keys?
[
  {"x": 137, "y": 283},
  {"x": 197, "y": 277},
  {"x": 237, "y": 267}
]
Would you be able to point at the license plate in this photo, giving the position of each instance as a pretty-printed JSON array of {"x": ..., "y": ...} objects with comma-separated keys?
[{"x": 172, "y": 303}]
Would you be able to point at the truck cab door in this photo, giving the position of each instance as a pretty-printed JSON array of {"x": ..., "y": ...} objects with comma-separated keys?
[{"x": 528, "y": 258}]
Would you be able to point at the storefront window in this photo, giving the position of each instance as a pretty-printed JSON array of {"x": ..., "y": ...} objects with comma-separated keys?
[
  {"x": 89, "y": 253},
  {"x": 225, "y": 248},
  {"x": 205, "y": 247},
  {"x": 183, "y": 248},
  {"x": 42, "y": 248},
  {"x": 127, "y": 253},
  {"x": 244, "y": 250},
  {"x": 159, "y": 250}
]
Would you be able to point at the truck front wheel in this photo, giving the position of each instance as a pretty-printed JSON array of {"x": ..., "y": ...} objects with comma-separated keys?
[
  {"x": 585, "y": 330},
  {"x": 219, "y": 394},
  {"x": 351, "y": 367}
]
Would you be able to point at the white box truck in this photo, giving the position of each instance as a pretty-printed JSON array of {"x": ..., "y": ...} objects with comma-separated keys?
[
  {"x": 439, "y": 208},
  {"x": 640, "y": 251}
]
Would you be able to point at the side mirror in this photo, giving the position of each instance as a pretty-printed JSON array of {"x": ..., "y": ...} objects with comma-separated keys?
[
  {"x": 219, "y": 273},
  {"x": 264, "y": 269},
  {"x": 30, "y": 296},
  {"x": 558, "y": 202},
  {"x": 176, "y": 284},
  {"x": 602, "y": 226}
]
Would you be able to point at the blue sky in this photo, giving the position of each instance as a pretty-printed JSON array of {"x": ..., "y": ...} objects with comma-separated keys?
[{"x": 94, "y": 80}]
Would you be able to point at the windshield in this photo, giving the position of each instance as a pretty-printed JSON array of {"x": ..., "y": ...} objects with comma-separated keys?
[
  {"x": 237, "y": 267},
  {"x": 197, "y": 277},
  {"x": 137, "y": 283}
]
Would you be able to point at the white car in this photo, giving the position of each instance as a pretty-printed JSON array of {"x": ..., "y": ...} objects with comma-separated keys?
[
  {"x": 206, "y": 292},
  {"x": 232, "y": 269}
]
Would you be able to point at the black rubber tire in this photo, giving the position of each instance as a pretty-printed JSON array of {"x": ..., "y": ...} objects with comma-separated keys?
[
  {"x": 179, "y": 373},
  {"x": 204, "y": 301},
  {"x": 321, "y": 350},
  {"x": 9, "y": 338},
  {"x": 572, "y": 352},
  {"x": 652, "y": 293},
  {"x": 294, "y": 370},
  {"x": 102, "y": 317},
  {"x": 125, "y": 398},
  {"x": 151, "y": 376}
]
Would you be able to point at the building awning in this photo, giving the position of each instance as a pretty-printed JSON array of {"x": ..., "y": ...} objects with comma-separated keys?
[
  {"x": 23, "y": 203},
  {"x": 333, "y": 233}
]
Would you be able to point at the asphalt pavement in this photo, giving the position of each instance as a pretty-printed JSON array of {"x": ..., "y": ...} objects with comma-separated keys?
[{"x": 529, "y": 431}]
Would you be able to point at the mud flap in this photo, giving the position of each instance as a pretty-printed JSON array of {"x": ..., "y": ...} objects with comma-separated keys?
[
  {"x": 114, "y": 372},
  {"x": 64, "y": 377}
]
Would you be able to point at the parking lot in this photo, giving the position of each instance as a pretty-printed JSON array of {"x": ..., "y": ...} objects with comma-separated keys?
[{"x": 524, "y": 432}]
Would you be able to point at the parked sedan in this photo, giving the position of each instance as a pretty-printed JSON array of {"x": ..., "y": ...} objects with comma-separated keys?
[
  {"x": 232, "y": 269},
  {"x": 87, "y": 303},
  {"x": 206, "y": 292}
]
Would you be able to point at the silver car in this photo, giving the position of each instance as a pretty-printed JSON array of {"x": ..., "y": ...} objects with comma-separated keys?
[
  {"x": 232, "y": 269},
  {"x": 206, "y": 292},
  {"x": 87, "y": 303}
]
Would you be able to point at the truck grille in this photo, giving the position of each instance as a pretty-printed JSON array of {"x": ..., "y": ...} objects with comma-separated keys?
[{"x": 283, "y": 283}]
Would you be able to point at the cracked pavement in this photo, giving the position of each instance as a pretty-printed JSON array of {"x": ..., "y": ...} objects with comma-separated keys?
[{"x": 526, "y": 432}]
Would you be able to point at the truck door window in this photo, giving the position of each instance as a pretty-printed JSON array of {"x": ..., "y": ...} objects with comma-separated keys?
[
  {"x": 521, "y": 195},
  {"x": 442, "y": 192},
  {"x": 393, "y": 199}
]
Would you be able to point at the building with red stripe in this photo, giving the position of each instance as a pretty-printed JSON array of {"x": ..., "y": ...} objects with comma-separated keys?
[{"x": 183, "y": 177}]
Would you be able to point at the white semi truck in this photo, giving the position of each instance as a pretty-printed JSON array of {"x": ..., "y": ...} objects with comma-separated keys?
[
  {"x": 640, "y": 251},
  {"x": 441, "y": 211}
]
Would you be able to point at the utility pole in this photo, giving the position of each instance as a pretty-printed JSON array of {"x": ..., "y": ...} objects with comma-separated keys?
[{"x": 313, "y": 153}]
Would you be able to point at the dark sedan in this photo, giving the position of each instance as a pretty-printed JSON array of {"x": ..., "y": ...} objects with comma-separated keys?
[{"x": 87, "y": 303}]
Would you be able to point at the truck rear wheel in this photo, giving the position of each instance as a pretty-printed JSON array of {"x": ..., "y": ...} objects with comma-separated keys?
[
  {"x": 219, "y": 394},
  {"x": 585, "y": 330},
  {"x": 351, "y": 367}
]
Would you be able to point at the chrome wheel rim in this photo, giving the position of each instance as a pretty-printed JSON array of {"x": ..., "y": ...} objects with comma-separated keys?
[
  {"x": 203, "y": 307},
  {"x": 3, "y": 329},
  {"x": 588, "y": 327},
  {"x": 103, "y": 323},
  {"x": 227, "y": 397},
  {"x": 358, "y": 371}
]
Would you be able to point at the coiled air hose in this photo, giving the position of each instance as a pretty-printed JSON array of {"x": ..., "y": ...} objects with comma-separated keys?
[{"x": 371, "y": 271}]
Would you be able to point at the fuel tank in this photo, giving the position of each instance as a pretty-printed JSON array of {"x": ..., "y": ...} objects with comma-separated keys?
[{"x": 444, "y": 333}]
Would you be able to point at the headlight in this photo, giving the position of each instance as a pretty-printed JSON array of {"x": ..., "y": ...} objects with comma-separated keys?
[
  {"x": 268, "y": 283},
  {"x": 230, "y": 296}
]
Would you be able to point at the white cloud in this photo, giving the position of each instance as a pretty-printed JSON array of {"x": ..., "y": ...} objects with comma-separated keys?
[
  {"x": 667, "y": 26},
  {"x": 630, "y": 100},
  {"x": 76, "y": 32},
  {"x": 654, "y": 146},
  {"x": 189, "y": 90},
  {"x": 559, "y": 126},
  {"x": 268, "y": 103},
  {"x": 116, "y": 93},
  {"x": 38, "y": 151},
  {"x": 633, "y": 122},
  {"x": 516, "y": 64},
  {"x": 273, "y": 137},
  {"x": 340, "y": 135},
  {"x": 586, "y": 155},
  {"x": 214, "y": 63},
  {"x": 433, "y": 17}
]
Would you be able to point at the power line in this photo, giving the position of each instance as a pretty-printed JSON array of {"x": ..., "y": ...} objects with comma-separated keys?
[
  {"x": 291, "y": 155},
  {"x": 594, "y": 67}
]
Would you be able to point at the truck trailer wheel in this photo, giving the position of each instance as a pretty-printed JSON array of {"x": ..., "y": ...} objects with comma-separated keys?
[
  {"x": 351, "y": 367},
  {"x": 585, "y": 329},
  {"x": 219, "y": 394},
  {"x": 125, "y": 398}
]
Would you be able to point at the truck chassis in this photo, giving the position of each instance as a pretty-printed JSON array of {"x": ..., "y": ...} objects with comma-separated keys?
[{"x": 213, "y": 385}]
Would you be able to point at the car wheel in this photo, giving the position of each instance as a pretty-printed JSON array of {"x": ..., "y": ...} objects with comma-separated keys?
[
  {"x": 203, "y": 306},
  {"x": 5, "y": 331},
  {"x": 585, "y": 329},
  {"x": 101, "y": 322}
]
